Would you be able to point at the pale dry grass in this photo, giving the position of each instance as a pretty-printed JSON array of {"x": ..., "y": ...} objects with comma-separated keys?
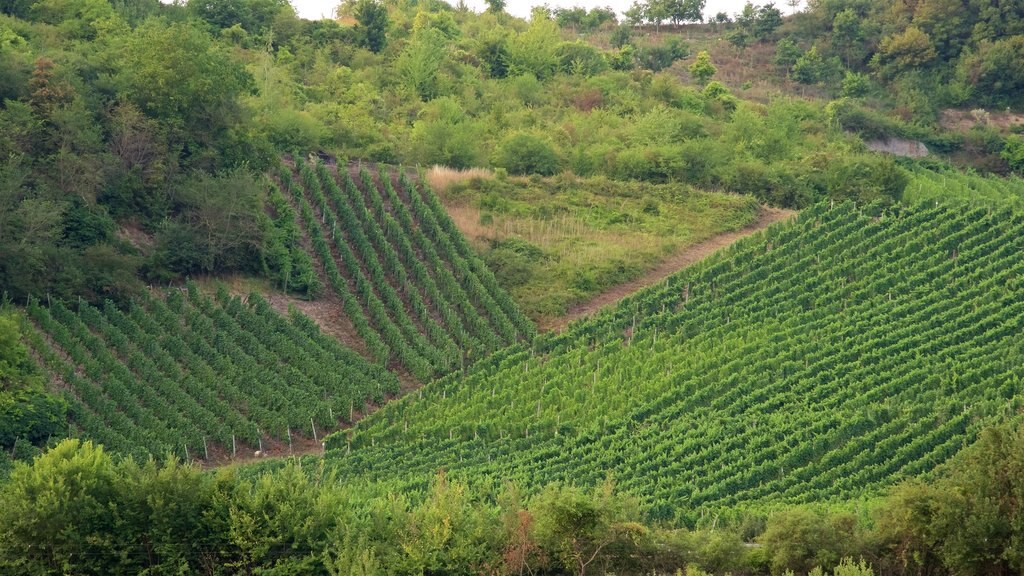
[
  {"x": 440, "y": 178},
  {"x": 550, "y": 234}
]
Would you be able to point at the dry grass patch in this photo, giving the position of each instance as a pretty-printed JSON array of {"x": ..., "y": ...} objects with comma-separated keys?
[{"x": 441, "y": 178}]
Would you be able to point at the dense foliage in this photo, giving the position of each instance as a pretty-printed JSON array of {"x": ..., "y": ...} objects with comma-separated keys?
[
  {"x": 76, "y": 509},
  {"x": 933, "y": 52},
  {"x": 188, "y": 375},
  {"x": 824, "y": 359},
  {"x": 118, "y": 152},
  {"x": 28, "y": 414}
]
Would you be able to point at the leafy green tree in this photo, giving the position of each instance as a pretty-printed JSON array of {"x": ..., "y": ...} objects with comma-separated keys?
[
  {"x": 855, "y": 85},
  {"x": 810, "y": 67},
  {"x": 800, "y": 539},
  {"x": 686, "y": 11},
  {"x": 1013, "y": 153},
  {"x": 495, "y": 6},
  {"x": 993, "y": 73},
  {"x": 535, "y": 51},
  {"x": 657, "y": 12},
  {"x": 78, "y": 19},
  {"x": 580, "y": 58},
  {"x": 177, "y": 74},
  {"x": 702, "y": 69},
  {"x": 419, "y": 64},
  {"x": 492, "y": 49},
  {"x": 787, "y": 52},
  {"x": 846, "y": 33},
  {"x": 767, "y": 22},
  {"x": 254, "y": 16},
  {"x": 575, "y": 526},
  {"x": 373, "y": 22},
  {"x": 908, "y": 50},
  {"x": 739, "y": 38},
  {"x": 657, "y": 58},
  {"x": 636, "y": 14}
]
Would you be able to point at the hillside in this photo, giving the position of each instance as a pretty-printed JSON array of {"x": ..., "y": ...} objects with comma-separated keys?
[
  {"x": 678, "y": 295},
  {"x": 188, "y": 376},
  {"x": 406, "y": 279},
  {"x": 823, "y": 360}
]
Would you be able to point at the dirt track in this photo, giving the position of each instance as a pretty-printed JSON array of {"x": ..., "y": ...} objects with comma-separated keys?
[{"x": 685, "y": 257}]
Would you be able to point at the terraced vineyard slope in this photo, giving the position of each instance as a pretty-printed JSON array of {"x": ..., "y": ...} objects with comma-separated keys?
[
  {"x": 955, "y": 185},
  {"x": 822, "y": 359},
  {"x": 415, "y": 292},
  {"x": 194, "y": 377}
]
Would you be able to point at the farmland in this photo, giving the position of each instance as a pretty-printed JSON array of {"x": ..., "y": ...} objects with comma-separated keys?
[{"x": 822, "y": 360}]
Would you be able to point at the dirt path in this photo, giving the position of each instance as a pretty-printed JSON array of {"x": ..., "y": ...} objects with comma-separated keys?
[{"x": 667, "y": 267}]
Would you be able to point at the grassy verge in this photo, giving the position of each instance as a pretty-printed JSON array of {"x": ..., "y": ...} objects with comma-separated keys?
[{"x": 555, "y": 242}]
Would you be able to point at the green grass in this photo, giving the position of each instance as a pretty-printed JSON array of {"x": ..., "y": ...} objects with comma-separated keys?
[{"x": 559, "y": 241}]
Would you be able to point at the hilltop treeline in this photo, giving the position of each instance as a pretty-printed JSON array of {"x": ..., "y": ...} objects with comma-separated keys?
[
  {"x": 932, "y": 52},
  {"x": 134, "y": 135},
  {"x": 76, "y": 509}
]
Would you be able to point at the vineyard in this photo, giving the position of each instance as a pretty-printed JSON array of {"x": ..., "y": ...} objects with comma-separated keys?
[
  {"x": 952, "y": 184},
  {"x": 187, "y": 375},
  {"x": 415, "y": 292},
  {"x": 821, "y": 360}
]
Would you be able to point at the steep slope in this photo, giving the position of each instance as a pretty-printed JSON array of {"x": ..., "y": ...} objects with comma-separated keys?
[
  {"x": 416, "y": 293},
  {"x": 823, "y": 359},
  {"x": 194, "y": 377}
]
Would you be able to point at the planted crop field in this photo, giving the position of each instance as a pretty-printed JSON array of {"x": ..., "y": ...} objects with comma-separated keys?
[
  {"x": 823, "y": 359},
  {"x": 955, "y": 185},
  {"x": 415, "y": 292},
  {"x": 188, "y": 375}
]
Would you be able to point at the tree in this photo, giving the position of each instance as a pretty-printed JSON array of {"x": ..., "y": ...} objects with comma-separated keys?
[
  {"x": 372, "y": 27},
  {"x": 495, "y": 6},
  {"x": 767, "y": 22},
  {"x": 620, "y": 36},
  {"x": 786, "y": 54},
  {"x": 27, "y": 413},
  {"x": 636, "y": 14},
  {"x": 177, "y": 74},
  {"x": 1013, "y": 153},
  {"x": 419, "y": 64},
  {"x": 702, "y": 69},
  {"x": 739, "y": 38},
  {"x": 254, "y": 16},
  {"x": 809, "y": 68},
  {"x": 575, "y": 527},
  {"x": 908, "y": 50},
  {"x": 534, "y": 51},
  {"x": 80, "y": 19},
  {"x": 657, "y": 12},
  {"x": 846, "y": 33},
  {"x": 686, "y": 11}
]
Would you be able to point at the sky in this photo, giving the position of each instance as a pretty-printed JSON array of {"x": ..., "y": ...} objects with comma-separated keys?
[{"x": 316, "y": 9}]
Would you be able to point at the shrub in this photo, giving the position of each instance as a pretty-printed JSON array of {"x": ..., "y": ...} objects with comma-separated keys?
[{"x": 524, "y": 153}]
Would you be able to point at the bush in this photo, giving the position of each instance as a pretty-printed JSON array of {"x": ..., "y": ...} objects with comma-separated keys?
[
  {"x": 1013, "y": 153},
  {"x": 580, "y": 58},
  {"x": 524, "y": 153}
]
